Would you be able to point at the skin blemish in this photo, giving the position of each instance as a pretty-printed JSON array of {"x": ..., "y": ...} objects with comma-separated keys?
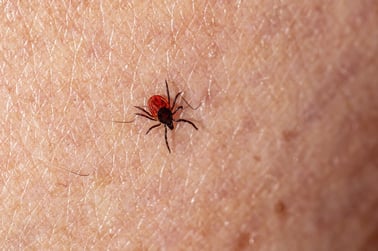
[
  {"x": 280, "y": 208},
  {"x": 242, "y": 241},
  {"x": 289, "y": 135},
  {"x": 371, "y": 241}
]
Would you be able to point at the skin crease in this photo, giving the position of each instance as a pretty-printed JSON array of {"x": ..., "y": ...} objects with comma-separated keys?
[{"x": 284, "y": 158}]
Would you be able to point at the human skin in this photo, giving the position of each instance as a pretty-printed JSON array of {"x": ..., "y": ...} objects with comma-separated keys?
[{"x": 285, "y": 157}]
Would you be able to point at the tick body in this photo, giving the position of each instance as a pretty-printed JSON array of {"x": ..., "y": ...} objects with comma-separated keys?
[{"x": 161, "y": 110}]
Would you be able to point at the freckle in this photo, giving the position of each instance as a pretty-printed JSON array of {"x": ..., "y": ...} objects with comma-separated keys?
[
  {"x": 289, "y": 135},
  {"x": 280, "y": 208},
  {"x": 257, "y": 158},
  {"x": 371, "y": 241},
  {"x": 243, "y": 241}
]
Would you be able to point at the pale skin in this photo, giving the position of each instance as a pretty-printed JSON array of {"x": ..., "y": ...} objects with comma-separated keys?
[{"x": 284, "y": 158}]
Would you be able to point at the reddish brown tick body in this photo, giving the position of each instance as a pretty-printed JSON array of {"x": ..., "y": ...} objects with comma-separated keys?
[
  {"x": 160, "y": 110},
  {"x": 155, "y": 103}
]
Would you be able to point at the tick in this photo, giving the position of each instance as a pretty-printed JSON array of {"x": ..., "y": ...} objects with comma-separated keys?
[{"x": 161, "y": 110}]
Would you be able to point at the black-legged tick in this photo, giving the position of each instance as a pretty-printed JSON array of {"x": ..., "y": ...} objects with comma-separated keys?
[{"x": 160, "y": 110}]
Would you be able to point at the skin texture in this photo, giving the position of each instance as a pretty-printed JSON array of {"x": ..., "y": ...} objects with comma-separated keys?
[{"x": 285, "y": 157}]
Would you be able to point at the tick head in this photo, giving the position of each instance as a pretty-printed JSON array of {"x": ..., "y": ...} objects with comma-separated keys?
[{"x": 165, "y": 117}]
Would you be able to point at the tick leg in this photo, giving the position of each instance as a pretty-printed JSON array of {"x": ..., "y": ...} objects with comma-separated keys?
[
  {"x": 166, "y": 139},
  {"x": 143, "y": 110},
  {"x": 187, "y": 121},
  {"x": 166, "y": 86},
  {"x": 144, "y": 115},
  {"x": 178, "y": 108},
  {"x": 191, "y": 107},
  {"x": 174, "y": 101},
  {"x": 152, "y": 127}
]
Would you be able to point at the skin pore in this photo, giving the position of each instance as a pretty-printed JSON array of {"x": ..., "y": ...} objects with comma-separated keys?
[{"x": 284, "y": 158}]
